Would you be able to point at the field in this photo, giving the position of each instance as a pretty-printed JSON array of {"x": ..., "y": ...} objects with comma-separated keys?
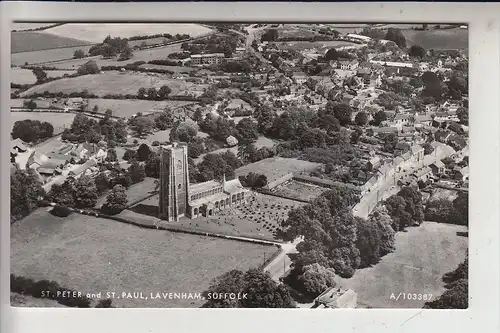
[
  {"x": 260, "y": 216},
  {"x": 438, "y": 39},
  {"x": 276, "y": 167},
  {"x": 36, "y": 41},
  {"x": 27, "y": 301},
  {"x": 299, "y": 190},
  {"x": 422, "y": 256},
  {"x": 60, "y": 121},
  {"x": 134, "y": 192},
  {"x": 26, "y": 76},
  {"x": 114, "y": 83},
  {"x": 127, "y": 108},
  {"x": 97, "y": 32},
  {"x": 26, "y": 26},
  {"x": 45, "y": 56},
  {"x": 98, "y": 255},
  {"x": 175, "y": 69},
  {"x": 299, "y": 46}
]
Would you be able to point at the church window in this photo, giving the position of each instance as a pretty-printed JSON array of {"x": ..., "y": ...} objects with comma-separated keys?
[{"x": 179, "y": 186}]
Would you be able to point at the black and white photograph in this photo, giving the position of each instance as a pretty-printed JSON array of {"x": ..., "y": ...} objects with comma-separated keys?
[{"x": 239, "y": 165}]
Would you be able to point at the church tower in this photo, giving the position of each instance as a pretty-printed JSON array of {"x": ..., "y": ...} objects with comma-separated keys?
[{"x": 174, "y": 182}]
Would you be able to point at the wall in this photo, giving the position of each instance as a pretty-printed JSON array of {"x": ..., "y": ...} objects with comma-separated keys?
[{"x": 279, "y": 181}]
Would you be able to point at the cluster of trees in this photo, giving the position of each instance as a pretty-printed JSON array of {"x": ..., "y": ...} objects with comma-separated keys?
[
  {"x": 396, "y": 36},
  {"x": 214, "y": 166},
  {"x": 219, "y": 128},
  {"x": 78, "y": 54},
  {"x": 40, "y": 75},
  {"x": 260, "y": 289},
  {"x": 85, "y": 129},
  {"x": 405, "y": 208},
  {"x": 111, "y": 47},
  {"x": 32, "y": 130},
  {"x": 83, "y": 94},
  {"x": 417, "y": 51},
  {"x": 253, "y": 180},
  {"x": 271, "y": 35},
  {"x": 448, "y": 211},
  {"x": 116, "y": 201},
  {"x": 77, "y": 193},
  {"x": 235, "y": 67},
  {"x": 456, "y": 295},
  {"x": 141, "y": 125},
  {"x": 333, "y": 54},
  {"x": 90, "y": 67},
  {"x": 248, "y": 153},
  {"x": 214, "y": 44},
  {"x": 154, "y": 95},
  {"x": 25, "y": 190},
  {"x": 335, "y": 242},
  {"x": 437, "y": 89}
]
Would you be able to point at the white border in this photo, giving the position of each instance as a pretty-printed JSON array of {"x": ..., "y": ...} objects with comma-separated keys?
[{"x": 484, "y": 40}]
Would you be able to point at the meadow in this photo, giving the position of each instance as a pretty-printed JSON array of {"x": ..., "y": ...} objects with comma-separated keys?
[
  {"x": 93, "y": 255},
  {"x": 26, "y": 76},
  {"x": 25, "y": 26},
  {"x": 115, "y": 82},
  {"x": 97, "y": 32},
  {"x": 47, "y": 56},
  {"x": 127, "y": 108},
  {"x": 422, "y": 256},
  {"x": 60, "y": 121},
  {"x": 26, "y": 41}
]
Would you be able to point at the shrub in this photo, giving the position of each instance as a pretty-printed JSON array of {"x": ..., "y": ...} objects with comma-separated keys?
[{"x": 60, "y": 211}]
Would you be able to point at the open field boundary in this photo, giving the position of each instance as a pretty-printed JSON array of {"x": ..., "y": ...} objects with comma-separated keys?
[
  {"x": 135, "y": 202},
  {"x": 271, "y": 259},
  {"x": 268, "y": 192}
]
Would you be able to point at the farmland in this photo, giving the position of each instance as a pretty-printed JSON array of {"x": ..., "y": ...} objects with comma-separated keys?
[
  {"x": 60, "y": 121},
  {"x": 35, "y": 41},
  {"x": 45, "y": 56},
  {"x": 260, "y": 216},
  {"x": 96, "y": 33},
  {"x": 26, "y": 76},
  {"x": 98, "y": 255},
  {"x": 422, "y": 256},
  {"x": 127, "y": 108},
  {"x": 438, "y": 39},
  {"x": 114, "y": 83}
]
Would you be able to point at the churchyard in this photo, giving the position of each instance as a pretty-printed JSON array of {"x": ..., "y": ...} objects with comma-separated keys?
[{"x": 94, "y": 255}]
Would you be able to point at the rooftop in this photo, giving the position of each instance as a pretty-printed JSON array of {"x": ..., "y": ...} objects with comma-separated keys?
[{"x": 205, "y": 186}]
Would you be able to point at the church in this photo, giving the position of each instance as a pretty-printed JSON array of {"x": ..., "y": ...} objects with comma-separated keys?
[{"x": 179, "y": 198}]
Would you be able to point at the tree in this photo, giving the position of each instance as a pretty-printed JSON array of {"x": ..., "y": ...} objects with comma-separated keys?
[
  {"x": 342, "y": 112},
  {"x": 116, "y": 201},
  {"x": 416, "y": 51},
  {"x": 383, "y": 221},
  {"x": 463, "y": 116},
  {"x": 32, "y": 130},
  {"x": 30, "y": 105},
  {"x": 379, "y": 118},
  {"x": 129, "y": 155},
  {"x": 254, "y": 180},
  {"x": 90, "y": 67},
  {"x": 361, "y": 118},
  {"x": 85, "y": 192},
  {"x": 428, "y": 148},
  {"x": 315, "y": 279},
  {"x": 39, "y": 74},
  {"x": 184, "y": 132},
  {"x": 152, "y": 166},
  {"x": 247, "y": 152},
  {"x": 163, "y": 92},
  {"x": 102, "y": 182},
  {"x": 461, "y": 205},
  {"x": 126, "y": 53},
  {"x": 270, "y": 35},
  {"x": 198, "y": 116},
  {"x": 164, "y": 120},
  {"x": 25, "y": 189},
  {"x": 456, "y": 295},
  {"x": 78, "y": 54},
  {"x": 329, "y": 123},
  {"x": 247, "y": 131},
  {"x": 136, "y": 172},
  {"x": 143, "y": 152},
  {"x": 111, "y": 155},
  {"x": 141, "y": 125},
  {"x": 396, "y": 36},
  {"x": 260, "y": 291}
]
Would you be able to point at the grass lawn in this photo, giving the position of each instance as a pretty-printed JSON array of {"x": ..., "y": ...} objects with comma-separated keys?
[
  {"x": 97, "y": 32},
  {"x": 134, "y": 192},
  {"x": 58, "y": 120},
  {"x": 98, "y": 255},
  {"x": 438, "y": 39},
  {"x": 276, "y": 167},
  {"x": 26, "y": 41},
  {"x": 27, "y": 301},
  {"x": 299, "y": 190},
  {"x": 259, "y": 216},
  {"x": 127, "y": 108},
  {"x": 44, "y": 56},
  {"x": 159, "y": 136},
  {"x": 26, "y": 76},
  {"x": 114, "y": 82},
  {"x": 422, "y": 256}
]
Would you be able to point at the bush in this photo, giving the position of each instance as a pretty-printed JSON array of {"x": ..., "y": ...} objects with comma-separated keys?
[
  {"x": 60, "y": 211},
  {"x": 155, "y": 143}
]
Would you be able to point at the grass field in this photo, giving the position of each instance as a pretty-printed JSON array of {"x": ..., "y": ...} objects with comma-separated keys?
[
  {"x": 115, "y": 83},
  {"x": 58, "y": 120},
  {"x": 299, "y": 190},
  {"x": 298, "y": 46},
  {"x": 260, "y": 216},
  {"x": 26, "y": 76},
  {"x": 26, "y": 301},
  {"x": 422, "y": 256},
  {"x": 93, "y": 254},
  {"x": 140, "y": 55},
  {"x": 438, "y": 39},
  {"x": 45, "y": 56},
  {"x": 276, "y": 167},
  {"x": 175, "y": 69},
  {"x": 97, "y": 32},
  {"x": 25, "y": 26},
  {"x": 127, "y": 108},
  {"x": 26, "y": 41}
]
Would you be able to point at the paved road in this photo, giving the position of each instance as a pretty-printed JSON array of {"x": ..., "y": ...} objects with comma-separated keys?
[{"x": 281, "y": 264}]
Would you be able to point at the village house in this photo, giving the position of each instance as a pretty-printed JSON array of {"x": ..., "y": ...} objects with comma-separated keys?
[
  {"x": 437, "y": 168},
  {"x": 423, "y": 174},
  {"x": 401, "y": 148},
  {"x": 373, "y": 163},
  {"x": 346, "y": 64},
  {"x": 401, "y": 120},
  {"x": 299, "y": 77},
  {"x": 418, "y": 153},
  {"x": 422, "y": 120},
  {"x": 461, "y": 174}
]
